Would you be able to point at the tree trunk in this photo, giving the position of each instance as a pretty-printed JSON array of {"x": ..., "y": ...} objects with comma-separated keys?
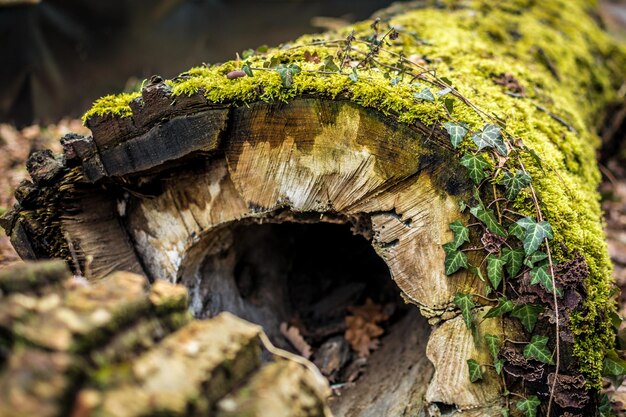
[{"x": 284, "y": 203}]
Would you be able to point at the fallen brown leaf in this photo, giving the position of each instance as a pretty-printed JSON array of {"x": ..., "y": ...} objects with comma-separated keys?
[{"x": 292, "y": 334}]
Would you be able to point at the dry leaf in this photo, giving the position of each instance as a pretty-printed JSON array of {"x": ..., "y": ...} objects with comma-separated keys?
[
  {"x": 362, "y": 329},
  {"x": 292, "y": 334},
  {"x": 308, "y": 57}
]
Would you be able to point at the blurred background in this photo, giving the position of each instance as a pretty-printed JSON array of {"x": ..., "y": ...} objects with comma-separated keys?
[{"x": 58, "y": 56}]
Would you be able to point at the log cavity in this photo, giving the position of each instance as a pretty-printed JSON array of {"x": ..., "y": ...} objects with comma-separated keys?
[{"x": 319, "y": 290}]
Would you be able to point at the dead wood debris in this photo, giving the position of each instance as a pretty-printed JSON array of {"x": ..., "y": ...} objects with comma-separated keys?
[{"x": 15, "y": 148}]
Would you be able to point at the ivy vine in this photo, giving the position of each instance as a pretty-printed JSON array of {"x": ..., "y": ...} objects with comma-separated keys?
[{"x": 518, "y": 269}]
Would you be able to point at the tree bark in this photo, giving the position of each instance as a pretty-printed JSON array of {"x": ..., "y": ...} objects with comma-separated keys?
[{"x": 194, "y": 192}]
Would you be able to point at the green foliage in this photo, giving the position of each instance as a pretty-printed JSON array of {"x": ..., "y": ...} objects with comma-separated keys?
[
  {"x": 513, "y": 259},
  {"x": 354, "y": 75},
  {"x": 529, "y": 406},
  {"x": 495, "y": 272},
  {"x": 286, "y": 73},
  {"x": 514, "y": 183},
  {"x": 475, "y": 374},
  {"x": 457, "y": 132},
  {"x": 490, "y": 137},
  {"x": 540, "y": 275},
  {"x": 531, "y": 260},
  {"x": 517, "y": 231},
  {"x": 329, "y": 64},
  {"x": 424, "y": 94},
  {"x": 605, "y": 409},
  {"x": 504, "y": 306},
  {"x": 455, "y": 260},
  {"x": 527, "y": 314},
  {"x": 538, "y": 350},
  {"x": 493, "y": 344},
  {"x": 246, "y": 68},
  {"x": 461, "y": 233},
  {"x": 613, "y": 365},
  {"x": 534, "y": 233},
  {"x": 486, "y": 216},
  {"x": 476, "y": 165},
  {"x": 465, "y": 304}
]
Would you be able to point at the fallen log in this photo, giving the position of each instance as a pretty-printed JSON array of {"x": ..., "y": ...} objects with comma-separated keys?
[{"x": 455, "y": 143}]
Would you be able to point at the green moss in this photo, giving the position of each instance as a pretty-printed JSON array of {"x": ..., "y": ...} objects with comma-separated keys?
[
  {"x": 115, "y": 105},
  {"x": 567, "y": 65}
]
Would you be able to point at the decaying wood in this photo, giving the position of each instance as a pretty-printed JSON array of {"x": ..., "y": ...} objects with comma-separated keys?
[
  {"x": 309, "y": 161},
  {"x": 117, "y": 349},
  {"x": 213, "y": 197}
]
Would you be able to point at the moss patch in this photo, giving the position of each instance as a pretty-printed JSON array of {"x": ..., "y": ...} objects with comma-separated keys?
[
  {"x": 113, "y": 104},
  {"x": 566, "y": 64}
]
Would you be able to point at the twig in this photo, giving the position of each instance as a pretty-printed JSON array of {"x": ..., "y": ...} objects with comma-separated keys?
[{"x": 557, "y": 118}]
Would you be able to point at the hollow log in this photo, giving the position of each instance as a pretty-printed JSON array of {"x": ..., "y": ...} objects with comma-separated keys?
[{"x": 290, "y": 195}]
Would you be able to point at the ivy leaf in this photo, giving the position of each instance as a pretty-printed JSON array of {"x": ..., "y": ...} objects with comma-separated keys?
[
  {"x": 449, "y": 104},
  {"x": 524, "y": 222},
  {"x": 486, "y": 216},
  {"x": 527, "y": 314},
  {"x": 457, "y": 132},
  {"x": 540, "y": 275},
  {"x": 443, "y": 91},
  {"x": 613, "y": 365},
  {"x": 499, "y": 365},
  {"x": 490, "y": 137},
  {"x": 605, "y": 408},
  {"x": 354, "y": 76},
  {"x": 514, "y": 183},
  {"x": 529, "y": 406},
  {"x": 513, "y": 259},
  {"x": 476, "y": 164},
  {"x": 493, "y": 344},
  {"x": 449, "y": 247},
  {"x": 477, "y": 272},
  {"x": 535, "y": 257},
  {"x": 285, "y": 75},
  {"x": 475, "y": 374},
  {"x": 455, "y": 260},
  {"x": 465, "y": 303},
  {"x": 461, "y": 233},
  {"x": 535, "y": 233},
  {"x": 329, "y": 64},
  {"x": 504, "y": 306},
  {"x": 494, "y": 270},
  {"x": 538, "y": 350},
  {"x": 424, "y": 94},
  {"x": 246, "y": 68},
  {"x": 518, "y": 231}
]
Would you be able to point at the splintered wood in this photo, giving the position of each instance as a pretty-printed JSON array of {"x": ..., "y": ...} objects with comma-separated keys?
[{"x": 180, "y": 216}]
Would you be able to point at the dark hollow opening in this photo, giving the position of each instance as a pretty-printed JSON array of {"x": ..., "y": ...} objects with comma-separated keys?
[{"x": 327, "y": 285}]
